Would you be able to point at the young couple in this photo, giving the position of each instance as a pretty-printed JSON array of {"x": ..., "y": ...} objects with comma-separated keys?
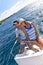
[{"x": 27, "y": 34}]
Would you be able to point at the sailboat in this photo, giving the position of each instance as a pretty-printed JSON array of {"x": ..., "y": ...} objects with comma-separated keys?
[{"x": 30, "y": 57}]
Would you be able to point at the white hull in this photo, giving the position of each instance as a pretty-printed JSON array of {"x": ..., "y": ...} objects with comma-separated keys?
[{"x": 34, "y": 59}]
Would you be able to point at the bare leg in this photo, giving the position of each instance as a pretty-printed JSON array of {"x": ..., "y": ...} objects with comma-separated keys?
[
  {"x": 40, "y": 40},
  {"x": 21, "y": 51},
  {"x": 39, "y": 44},
  {"x": 22, "y": 45},
  {"x": 31, "y": 48},
  {"x": 30, "y": 45}
]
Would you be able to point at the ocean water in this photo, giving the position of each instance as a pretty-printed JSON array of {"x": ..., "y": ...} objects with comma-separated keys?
[{"x": 7, "y": 32}]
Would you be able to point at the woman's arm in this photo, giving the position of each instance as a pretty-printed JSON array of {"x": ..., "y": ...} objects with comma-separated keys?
[{"x": 37, "y": 33}]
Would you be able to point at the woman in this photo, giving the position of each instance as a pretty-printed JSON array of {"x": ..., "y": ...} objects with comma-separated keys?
[{"x": 32, "y": 33}]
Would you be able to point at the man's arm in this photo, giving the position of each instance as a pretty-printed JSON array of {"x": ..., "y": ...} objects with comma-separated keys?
[{"x": 17, "y": 34}]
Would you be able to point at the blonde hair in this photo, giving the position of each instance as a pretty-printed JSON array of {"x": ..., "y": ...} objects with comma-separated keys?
[{"x": 27, "y": 23}]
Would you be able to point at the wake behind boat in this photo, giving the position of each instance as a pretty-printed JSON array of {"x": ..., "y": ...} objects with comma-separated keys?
[{"x": 30, "y": 57}]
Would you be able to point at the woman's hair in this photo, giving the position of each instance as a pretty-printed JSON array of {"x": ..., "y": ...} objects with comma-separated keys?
[{"x": 26, "y": 22}]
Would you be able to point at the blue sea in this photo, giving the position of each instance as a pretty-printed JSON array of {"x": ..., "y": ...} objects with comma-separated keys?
[{"x": 7, "y": 32}]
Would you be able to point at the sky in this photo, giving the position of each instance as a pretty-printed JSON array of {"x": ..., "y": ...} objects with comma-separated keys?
[
  {"x": 9, "y": 7},
  {"x": 6, "y": 4}
]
